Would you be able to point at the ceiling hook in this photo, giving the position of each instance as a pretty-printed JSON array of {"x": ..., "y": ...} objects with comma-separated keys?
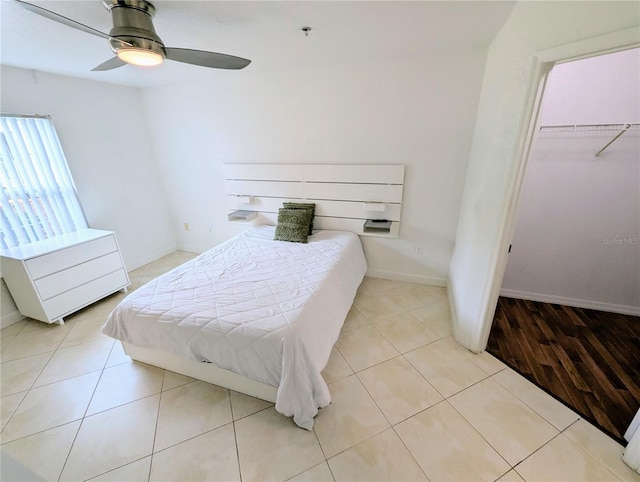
[{"x": 306, "y": 31}]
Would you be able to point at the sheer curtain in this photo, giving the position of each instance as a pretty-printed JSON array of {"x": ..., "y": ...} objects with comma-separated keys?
[{"x": 38, "y": 198}]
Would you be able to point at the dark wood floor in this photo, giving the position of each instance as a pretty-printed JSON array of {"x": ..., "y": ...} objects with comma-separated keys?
[{"x": 587, "y": 359}]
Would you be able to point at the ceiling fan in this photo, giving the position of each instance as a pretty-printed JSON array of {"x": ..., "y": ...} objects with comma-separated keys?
[{"x": 134, "y": 40}]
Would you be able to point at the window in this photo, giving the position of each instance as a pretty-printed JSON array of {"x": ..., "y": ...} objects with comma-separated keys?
[{"x": 38, "y": 198}]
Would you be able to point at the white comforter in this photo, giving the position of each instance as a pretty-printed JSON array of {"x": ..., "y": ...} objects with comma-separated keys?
[{"x": 268, "y": 310}]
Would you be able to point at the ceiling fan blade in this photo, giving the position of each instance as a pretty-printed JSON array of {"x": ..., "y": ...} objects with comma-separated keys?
[
  {"x": 56, "y": 17},
  {"x": 207, "y": 59},
  {"x": 110, "y": 64}
]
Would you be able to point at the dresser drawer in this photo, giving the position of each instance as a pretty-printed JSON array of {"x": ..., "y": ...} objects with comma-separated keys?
[
  {"x": 81, "y": 296},
  {"x": 64, "y": 258},
  {"x": 67, "y": 279}
]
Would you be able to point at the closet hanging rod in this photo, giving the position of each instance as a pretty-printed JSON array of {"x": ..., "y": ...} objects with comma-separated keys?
[
  {"x": 624, "y": 129},
  {"x": 586, "y": 127}
]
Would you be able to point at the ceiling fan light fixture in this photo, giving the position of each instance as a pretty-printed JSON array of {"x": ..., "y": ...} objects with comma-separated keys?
[
  {"x": 140, "y": 57},
  {"x": 134, "y": 40}
]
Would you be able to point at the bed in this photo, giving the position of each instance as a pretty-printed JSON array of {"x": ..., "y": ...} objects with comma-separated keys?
[{"x": 253, "y": 314}]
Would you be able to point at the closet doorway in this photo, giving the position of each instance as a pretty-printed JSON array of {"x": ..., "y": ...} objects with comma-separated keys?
[{"x": 568, "y": 317}]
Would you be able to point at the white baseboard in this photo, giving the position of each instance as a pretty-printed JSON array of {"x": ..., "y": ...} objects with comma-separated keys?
[
  {"x": 188, "y": 249},
  {"x": 575, "y": 302},
  {"x": 10, "y": 318},
  {"x": 410, "y": 278}
]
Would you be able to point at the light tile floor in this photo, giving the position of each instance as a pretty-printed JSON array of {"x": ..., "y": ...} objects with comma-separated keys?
[{"x": 409, "y": 404}]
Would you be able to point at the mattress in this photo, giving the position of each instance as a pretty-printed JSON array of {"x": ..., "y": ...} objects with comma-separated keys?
[{"x": 268, "y": 310}]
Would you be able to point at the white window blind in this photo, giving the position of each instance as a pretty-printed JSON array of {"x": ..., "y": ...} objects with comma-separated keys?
[{"x": 38, "y": 198}]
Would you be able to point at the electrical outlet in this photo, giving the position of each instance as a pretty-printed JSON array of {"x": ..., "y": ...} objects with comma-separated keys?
[
  {"x": 186, "y": 226},
  {"x": 419, "y": 249}
]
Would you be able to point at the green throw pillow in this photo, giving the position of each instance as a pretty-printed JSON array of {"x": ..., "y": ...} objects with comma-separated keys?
[
  {"x": 293, "y": 225},
  {"x": 311, "y": 207}
]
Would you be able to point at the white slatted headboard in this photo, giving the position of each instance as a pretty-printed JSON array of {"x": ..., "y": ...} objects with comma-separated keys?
[{"x": 346, "y": 195}]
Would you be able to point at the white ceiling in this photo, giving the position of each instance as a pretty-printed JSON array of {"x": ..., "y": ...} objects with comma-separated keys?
[{"x": 267, "y": 32}]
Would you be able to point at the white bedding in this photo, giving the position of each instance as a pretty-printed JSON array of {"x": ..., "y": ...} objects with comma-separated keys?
[{"x": 268, "y": 310}]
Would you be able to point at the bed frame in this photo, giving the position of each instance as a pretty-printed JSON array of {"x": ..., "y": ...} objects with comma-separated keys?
[
  {"x": 207, "y": 372},
  {"x": 346, "y": 196}
]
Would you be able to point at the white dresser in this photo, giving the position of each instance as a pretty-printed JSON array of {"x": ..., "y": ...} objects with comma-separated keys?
[{"x": 53, "y": 278}]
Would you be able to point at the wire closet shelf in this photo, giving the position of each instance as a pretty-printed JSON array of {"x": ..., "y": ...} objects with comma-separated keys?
[
  {"x": 586, "y": 129},
  {"x": 589, "y": 128}
]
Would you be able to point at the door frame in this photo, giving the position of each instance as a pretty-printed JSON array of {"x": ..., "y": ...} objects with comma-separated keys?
[{"x": 543, "y": 63}]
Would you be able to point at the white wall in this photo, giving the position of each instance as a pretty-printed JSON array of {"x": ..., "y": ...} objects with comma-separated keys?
[
  {"x": 578, "y": 228},
  {"x": 494, "y": 162},
  {"x": 598, "y": 90},
  {"x": 417, "y": 112},
  {"x": 104, "y": 133}
]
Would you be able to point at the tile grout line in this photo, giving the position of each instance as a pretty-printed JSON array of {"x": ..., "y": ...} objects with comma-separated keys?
[
  {"x": 155, "y": 431},
  {"x": 400, "y": 355},
  {"x": 75, "y": 438},
  {"x": 529, "y": 405},
  {"x": 393, "y": 427},
  {"x": 26, "y": 392},
  {"x": 478, "y": 432},
  {"x": 585, "y": 451},
  {"x": 235, "y": 436}
]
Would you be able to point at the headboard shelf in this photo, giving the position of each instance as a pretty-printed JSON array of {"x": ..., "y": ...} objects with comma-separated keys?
[
  {"x": 243, "y": 215},
  {"x": 377, "y": 226},
  {"x": 346, "y": 195}
]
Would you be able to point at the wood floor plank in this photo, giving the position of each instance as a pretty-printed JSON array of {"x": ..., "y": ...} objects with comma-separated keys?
[
  {"x": 610, "y": 363},
  {"x": 588, "y": 359}
]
